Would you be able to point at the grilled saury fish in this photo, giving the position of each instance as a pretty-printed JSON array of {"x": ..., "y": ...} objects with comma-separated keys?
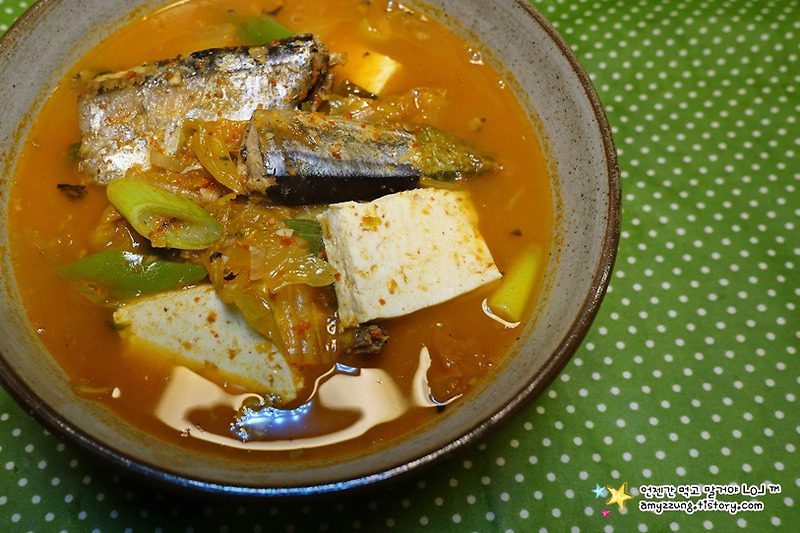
[{"x": 126, "y": 115}]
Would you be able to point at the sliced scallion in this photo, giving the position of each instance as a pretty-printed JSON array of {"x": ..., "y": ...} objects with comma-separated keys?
[
  {"x": 115, "y": 274},
  {"x": 262, "y": 30},
  {"x": 510, "y": 299},
  {"x": 310, "y": 230},
  {"x": 73, "y": 151},
  {"x": 168, "y": 220}
]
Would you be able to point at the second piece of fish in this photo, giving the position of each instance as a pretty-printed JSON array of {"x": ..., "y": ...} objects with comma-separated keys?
[
  {"x": 298, "y": 157},
  {"x": 126, "y": 115}
]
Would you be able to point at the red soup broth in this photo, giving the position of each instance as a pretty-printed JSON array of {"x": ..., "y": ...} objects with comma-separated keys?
[{"x": 150, "y": 389}]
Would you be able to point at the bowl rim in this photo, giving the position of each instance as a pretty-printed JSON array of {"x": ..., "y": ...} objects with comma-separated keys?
[{"x": 553, "y": 365}]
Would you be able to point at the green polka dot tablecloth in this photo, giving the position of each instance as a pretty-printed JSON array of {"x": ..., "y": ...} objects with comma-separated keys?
[{"x": 679, "y": 412}]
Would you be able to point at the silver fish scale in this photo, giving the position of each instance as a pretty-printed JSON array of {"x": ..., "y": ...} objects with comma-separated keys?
[
  {"x": 297, "y": 157},
  {"x": 126, "y": 115}
]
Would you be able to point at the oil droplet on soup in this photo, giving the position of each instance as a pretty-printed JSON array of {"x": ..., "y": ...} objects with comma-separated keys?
[{"x": 435, "y": 356}]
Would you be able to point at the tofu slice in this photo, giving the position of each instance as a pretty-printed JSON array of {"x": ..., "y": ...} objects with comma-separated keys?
[
  {"x": 369, "y": 69},
  {"x": 201, "y": 331},
  {"x": 404, "y": 252}
]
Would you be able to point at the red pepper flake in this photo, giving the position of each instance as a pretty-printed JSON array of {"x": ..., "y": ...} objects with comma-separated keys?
[
  {"x": 286, "y": 240},
  {"x": 302, "y": 327},
  {"x": 336, "y": 155},
  {"x": 382, "y": 301}
]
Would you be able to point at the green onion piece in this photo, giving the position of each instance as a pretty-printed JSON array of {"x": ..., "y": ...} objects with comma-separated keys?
[
  {"x": 167, "y": 219},
  {"x": 73, "y": 150},
  {"x": 510, "y": 299},
  {"x": 114, "y": 274},
  {"x": 310, "y": 230},
  {"x": 261, "y": 30}
]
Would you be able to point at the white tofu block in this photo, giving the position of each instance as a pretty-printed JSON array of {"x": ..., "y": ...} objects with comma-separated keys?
[
  {"x": 404, "y": 252},
  {"x": 370, "y": 70},
  {"x": 201, "y": 330}
]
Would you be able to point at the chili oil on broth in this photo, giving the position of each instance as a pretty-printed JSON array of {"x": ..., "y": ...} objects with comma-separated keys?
[{"x": 144, "y": 387}]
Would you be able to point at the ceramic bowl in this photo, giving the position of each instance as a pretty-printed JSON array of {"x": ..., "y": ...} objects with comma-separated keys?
[{"x": 551, "y": 85}]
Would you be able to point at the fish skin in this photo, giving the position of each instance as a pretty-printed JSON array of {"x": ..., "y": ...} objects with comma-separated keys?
[
  {"x": 306, "y": 157},
  {"x": 125, "y": 115},
  {"x": 299, "y": 157}
]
